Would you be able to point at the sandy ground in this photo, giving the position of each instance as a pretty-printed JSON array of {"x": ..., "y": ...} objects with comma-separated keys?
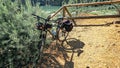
[
  {"x": 101, "y": 44},
  {"x": 95, "y": 44}
]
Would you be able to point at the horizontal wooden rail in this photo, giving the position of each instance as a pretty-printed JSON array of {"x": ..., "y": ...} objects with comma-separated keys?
[
  {"x": 65, "y": 10},
  {"x": 93, "y": 3},
  {"x": 91, "y": 17},
  {"x": 84, "y": 4}
]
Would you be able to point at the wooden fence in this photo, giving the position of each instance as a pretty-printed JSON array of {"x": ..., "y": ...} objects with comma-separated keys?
[{"x": 65, "y": 10}]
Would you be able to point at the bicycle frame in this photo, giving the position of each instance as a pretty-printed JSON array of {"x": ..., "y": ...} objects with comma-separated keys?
[{"x": 44, "y": 28}]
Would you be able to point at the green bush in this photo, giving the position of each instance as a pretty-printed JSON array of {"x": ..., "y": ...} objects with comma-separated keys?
[{"x": 18, "y": 36}]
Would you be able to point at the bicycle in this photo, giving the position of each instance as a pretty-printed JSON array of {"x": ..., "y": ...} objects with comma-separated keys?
[{"x": 60, "y": 32}]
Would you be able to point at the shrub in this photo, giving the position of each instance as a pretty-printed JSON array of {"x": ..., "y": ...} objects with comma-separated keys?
[{"x": 18, "y": 36}]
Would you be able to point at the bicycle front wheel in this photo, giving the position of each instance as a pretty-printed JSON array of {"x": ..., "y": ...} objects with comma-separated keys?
[{"x": 41, "y": 45}]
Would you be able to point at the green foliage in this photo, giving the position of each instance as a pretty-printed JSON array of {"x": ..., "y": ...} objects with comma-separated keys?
[
  {"x": 94, "y": 9},
  {"x": 18, "y": 36},
  {"x": 81, "y": 1}
]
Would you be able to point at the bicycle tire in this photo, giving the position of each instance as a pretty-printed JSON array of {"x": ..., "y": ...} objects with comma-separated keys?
[
  {"x": 39, "y": 57},
  {"x": 43, "y": 41}
]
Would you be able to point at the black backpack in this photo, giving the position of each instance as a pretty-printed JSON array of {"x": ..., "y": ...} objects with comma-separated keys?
[{"x": 67, "y": 25}]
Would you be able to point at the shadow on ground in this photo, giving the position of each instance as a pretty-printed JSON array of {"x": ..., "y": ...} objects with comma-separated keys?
[
  {"x": 57, "y": 54},
  {"x": 75, "y": 46}
]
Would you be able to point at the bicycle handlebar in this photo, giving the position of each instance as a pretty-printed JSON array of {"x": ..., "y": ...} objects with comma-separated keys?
[{"x": 38, "y": 18}]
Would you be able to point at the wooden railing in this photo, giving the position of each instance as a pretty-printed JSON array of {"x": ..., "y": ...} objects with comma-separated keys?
[{"x": 65, "y": 10}]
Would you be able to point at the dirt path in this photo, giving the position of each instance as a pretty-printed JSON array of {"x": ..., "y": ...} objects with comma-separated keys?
[
  {"x": 95, "y": 44},
  {"x": 102, "y": 46}
]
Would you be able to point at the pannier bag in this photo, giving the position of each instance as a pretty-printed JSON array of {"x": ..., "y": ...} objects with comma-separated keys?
[
  {"x": 67, "y": 25},
  {"x": 41, "y": 26}
]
